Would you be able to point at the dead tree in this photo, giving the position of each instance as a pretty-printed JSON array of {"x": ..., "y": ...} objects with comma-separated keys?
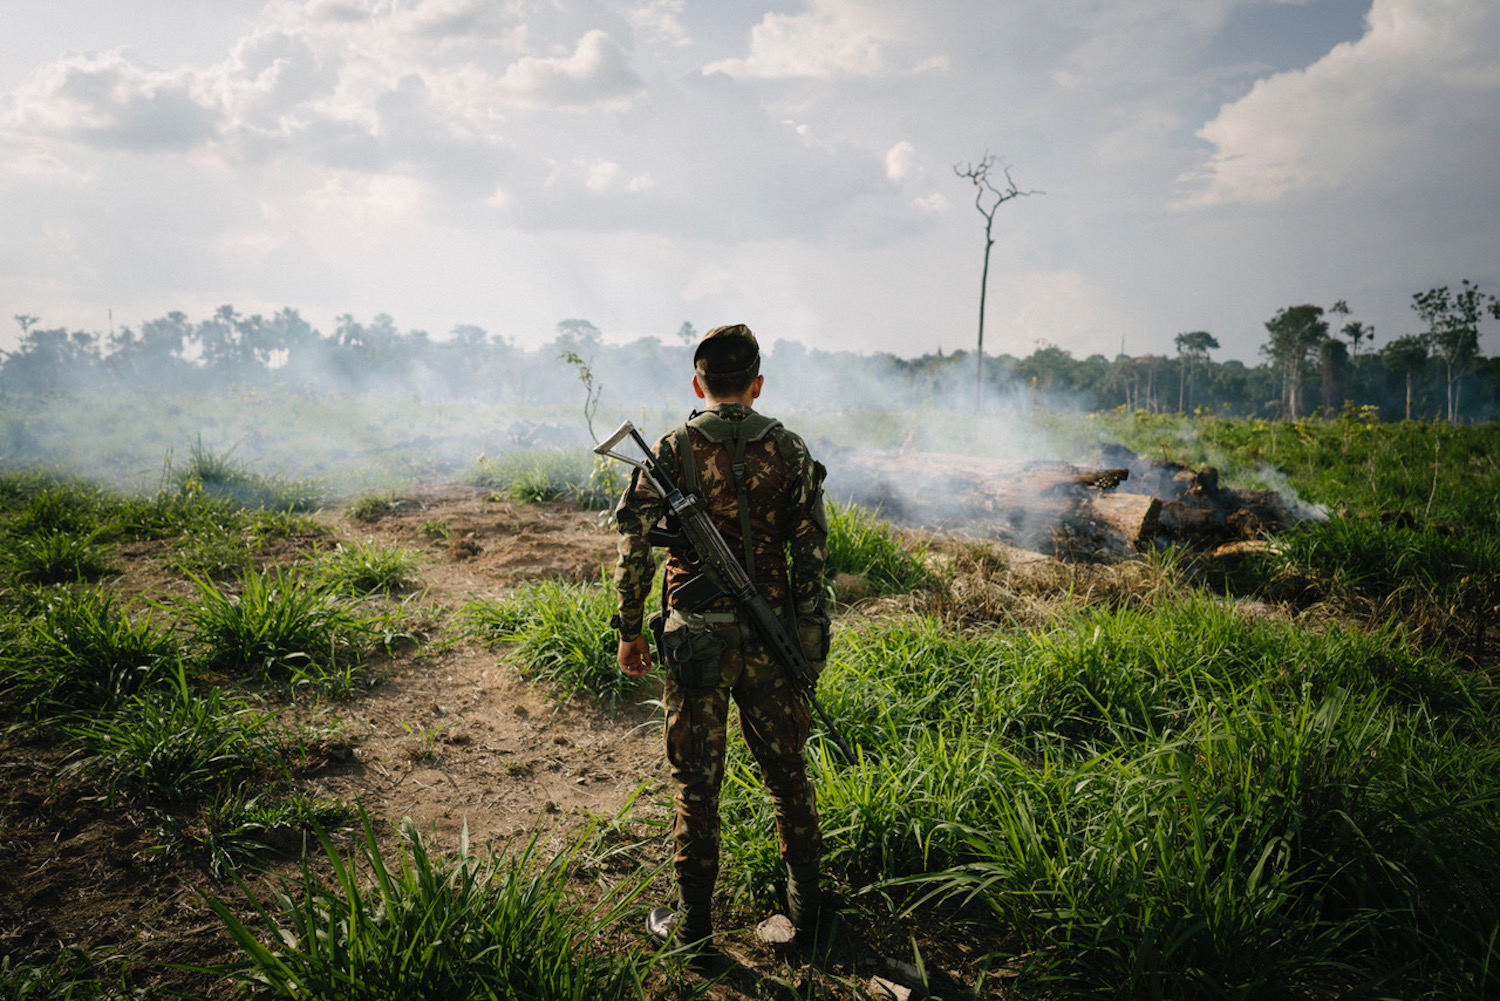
[{"x": 987, "y": 199}]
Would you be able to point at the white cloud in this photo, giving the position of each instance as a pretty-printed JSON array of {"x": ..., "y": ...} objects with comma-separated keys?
[
  {"x": 661, "y": 20},
  {"x": 833, "y": 38},
  {"x": 1417, "y": 96},
  {"x": 598, "y": 176},
  {"x": 105, "y": 101},
  {"x": 899, "y": 159},
  {"x": 935, "y": 202},
  {"x": 596, "y": 75}
]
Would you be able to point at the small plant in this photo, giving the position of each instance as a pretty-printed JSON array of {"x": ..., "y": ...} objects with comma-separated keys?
[
  {"x": 421, "y": 742},
  {"x": 57, "y": 558},
  {"x": 435, "y": 926},
  {"x": 362, "y": 568},
  {"x": 84, "y": 653},
  {"x": 69, "y": 976},
  {"x": 231, "y": 829},
  {"x": 174, "y": 745},
  {"x": 436, "y": 529},
  {"x": 562, "y": 636},
  {"x": 282, "y": 627},
  {"x": 374, "y": 506}
]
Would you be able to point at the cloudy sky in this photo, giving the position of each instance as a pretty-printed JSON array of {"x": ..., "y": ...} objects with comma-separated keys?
[{"x": 785, "y": 163}]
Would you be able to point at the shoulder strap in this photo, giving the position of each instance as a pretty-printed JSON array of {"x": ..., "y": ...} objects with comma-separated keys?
[{"x": 734, "y": 435}]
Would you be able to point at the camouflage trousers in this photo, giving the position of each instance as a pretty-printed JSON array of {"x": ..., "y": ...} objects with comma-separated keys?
[{"x": 774, "y": 719}]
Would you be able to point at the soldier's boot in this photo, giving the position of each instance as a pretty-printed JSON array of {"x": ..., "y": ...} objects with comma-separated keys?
[
  {"x": 691, "y": 926},
  {"x": 804, "y": 900}
]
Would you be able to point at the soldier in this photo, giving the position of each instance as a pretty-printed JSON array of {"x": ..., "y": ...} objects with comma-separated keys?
[{"x": 765, "y": 495}]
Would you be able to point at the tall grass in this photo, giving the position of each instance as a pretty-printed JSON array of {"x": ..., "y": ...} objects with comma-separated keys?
[
  {"x": 1180, "y": 803},
  {"x": 863, "y": 544},
  {"x": 562, "y": 636},
  {"x": 432, "y": 926},
  {"x": 221, "y": 475}
]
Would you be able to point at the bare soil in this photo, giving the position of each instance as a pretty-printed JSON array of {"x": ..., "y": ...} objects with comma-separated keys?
[{"x": 452, "y": 737}]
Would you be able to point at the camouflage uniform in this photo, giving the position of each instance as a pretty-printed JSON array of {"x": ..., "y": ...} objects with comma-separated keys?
[{"x": 785, "y": 508}]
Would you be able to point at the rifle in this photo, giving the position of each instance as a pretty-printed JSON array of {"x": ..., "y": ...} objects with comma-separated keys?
[{"x": 721, "y": 573}]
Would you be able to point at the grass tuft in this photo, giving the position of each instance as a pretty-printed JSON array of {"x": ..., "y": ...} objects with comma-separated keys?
[
  {"x": 562, "y": 634},
  {"x": 282, "y": 627},
  {"x": 363, "y": 568},
  {"x": 83, "y": 653},
  {"x": 429, "y": 925}
]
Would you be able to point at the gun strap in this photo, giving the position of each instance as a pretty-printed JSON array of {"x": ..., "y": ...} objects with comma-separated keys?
[{"x": 734, "y": 435}]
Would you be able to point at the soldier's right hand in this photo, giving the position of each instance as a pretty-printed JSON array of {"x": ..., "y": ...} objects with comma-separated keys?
[{"x": 635, "y": 656}]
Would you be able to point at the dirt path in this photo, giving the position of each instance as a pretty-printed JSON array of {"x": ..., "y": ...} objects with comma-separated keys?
[
  {"x": 451, "y": 736},
  {"x": 455, "y": 735}
]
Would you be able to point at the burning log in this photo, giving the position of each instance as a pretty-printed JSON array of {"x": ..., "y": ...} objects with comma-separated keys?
[{"x": 1124, "y": 505}]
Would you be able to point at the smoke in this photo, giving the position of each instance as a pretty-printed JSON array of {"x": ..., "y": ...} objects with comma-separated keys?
[{"x": 371, "y": 407}]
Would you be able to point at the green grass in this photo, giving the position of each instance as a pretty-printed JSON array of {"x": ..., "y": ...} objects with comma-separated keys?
[
  {"x": 82, "y": 652},
  {"x": 231, "y": 827},
  {"x": 561, "y": 634},
  {"x": 221, "y": 475},
  {"x": 56, "y": 558},
  {"x": 364, "y": 568},
  {"x": 174, "y": 745},
  {"x": 1178, "y": 803},
  {"x": 575, "y": 475},
  {"x": 69, "y": 976},
  {"x": 280, "y": 626},
  {"x": 432, "y": 925},
  {"x": 862, "y": 543}
]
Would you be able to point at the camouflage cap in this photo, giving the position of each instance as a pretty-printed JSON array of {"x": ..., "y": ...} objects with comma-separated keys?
[{"x": 728, "y": 351}]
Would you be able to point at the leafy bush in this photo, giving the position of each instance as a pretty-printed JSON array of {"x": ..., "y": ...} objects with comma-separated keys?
[{"x": 437, "y": 927}]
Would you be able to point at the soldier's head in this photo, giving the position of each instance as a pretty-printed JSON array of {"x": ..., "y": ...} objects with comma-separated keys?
[{"x": 727, "y": 364}]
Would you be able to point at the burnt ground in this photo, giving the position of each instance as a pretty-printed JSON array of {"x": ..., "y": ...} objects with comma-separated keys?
[{"x": 451, "y": 736}]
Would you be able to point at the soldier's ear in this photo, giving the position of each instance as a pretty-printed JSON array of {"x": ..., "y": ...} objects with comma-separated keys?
[
  {"x": 760, "y": 381},
  {"x": 698, "y": 388}
]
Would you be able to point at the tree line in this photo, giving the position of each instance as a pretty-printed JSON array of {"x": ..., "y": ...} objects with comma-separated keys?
[{"x": 1316, "y": 361}]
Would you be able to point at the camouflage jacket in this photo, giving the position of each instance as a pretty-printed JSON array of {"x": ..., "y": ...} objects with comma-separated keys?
[{"x": 784, "y": 491}]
